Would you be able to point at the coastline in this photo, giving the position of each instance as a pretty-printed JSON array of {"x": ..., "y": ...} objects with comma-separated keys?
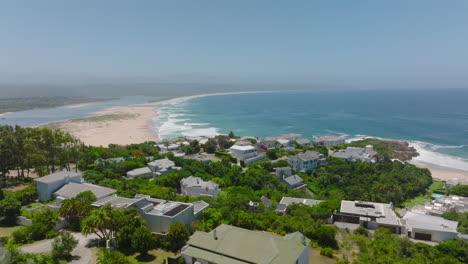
[
  {"x": 122, "y": 125},
  {"x": 442, "y": 173}
]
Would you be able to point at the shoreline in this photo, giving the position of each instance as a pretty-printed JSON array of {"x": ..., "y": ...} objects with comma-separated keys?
[{"x": 441, "y": 173}]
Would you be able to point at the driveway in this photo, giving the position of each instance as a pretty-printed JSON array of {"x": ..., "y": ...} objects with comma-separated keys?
[{"x": 81, "y": 254}]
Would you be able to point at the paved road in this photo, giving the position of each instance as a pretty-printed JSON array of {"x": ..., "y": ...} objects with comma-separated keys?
[{"x": 81, "y": 254}]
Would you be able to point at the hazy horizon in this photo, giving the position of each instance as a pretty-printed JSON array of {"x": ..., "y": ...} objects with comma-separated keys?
[{"x": 93, "y": 48}]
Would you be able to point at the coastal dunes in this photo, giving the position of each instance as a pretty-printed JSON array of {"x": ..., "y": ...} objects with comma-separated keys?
[{"x": 116, "y": 125}]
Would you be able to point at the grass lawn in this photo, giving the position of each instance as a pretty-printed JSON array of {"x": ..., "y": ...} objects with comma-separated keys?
[
  {"x": 156, "y": 256},
  {"x": 436, "y": 185},
  {"x": 420, "y": 200},
  {"x": 6, "y": 231}
]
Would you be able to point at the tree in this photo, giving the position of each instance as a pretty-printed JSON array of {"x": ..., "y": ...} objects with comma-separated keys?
[
  {"x": 231, "y": 134},
  {"x": 43, "y": 221},
  {"x": 99, "y": 221},
  {"x": 143, "y": 240},
  {"x": 10, "y": 208},
  {"x": 178, "y": 235},
  {"x": 63, "y": 245},
  {"x": 271, "y": 153},
  {"x": 210, "y": 146}
]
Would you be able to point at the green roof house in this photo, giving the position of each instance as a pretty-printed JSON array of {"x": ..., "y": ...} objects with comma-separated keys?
[{"x": 233, "y": 245}]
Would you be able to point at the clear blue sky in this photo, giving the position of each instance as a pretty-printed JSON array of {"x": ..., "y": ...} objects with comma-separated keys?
[{"x": 358, "y": 43}]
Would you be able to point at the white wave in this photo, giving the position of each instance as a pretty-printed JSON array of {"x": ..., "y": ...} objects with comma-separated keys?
[
  {"x": 201, "y": 132},
  {"x": 432, "y": 157},
  {"x": 197, "y": 124}
]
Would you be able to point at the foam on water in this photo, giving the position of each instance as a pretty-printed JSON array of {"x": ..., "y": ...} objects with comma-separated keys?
[{"x": 427, "y": 155}]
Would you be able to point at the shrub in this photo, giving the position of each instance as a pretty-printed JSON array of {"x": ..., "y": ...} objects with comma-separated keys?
[
  {"x": 143, "y": 240},
  {"x": 63, "y": 245},
  {"x": 112, "y": 257},
  {"x": 328, "y": 252},
  {"x": 361, "y": 231},
  {"x": 21, "y": 235}
]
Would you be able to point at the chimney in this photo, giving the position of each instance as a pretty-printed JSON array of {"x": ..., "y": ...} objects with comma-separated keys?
[{"x": 215, "y": 235}]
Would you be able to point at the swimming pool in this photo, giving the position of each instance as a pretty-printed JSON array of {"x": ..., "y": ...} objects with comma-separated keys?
[{"x": 437, "y": 196}]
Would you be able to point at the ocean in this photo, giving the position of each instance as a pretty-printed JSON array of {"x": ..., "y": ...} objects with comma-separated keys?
[{"x": 434, "y": 121}]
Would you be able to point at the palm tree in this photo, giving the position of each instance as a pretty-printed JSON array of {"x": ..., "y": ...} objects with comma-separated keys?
[
  {"x": 71, "y": 208},
  {"x": 99, "y": 221}
]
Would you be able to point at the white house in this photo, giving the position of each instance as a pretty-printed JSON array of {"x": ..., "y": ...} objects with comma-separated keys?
[
  {"x": 49, "y": 184},
  {"x": 243, "y": 152},
  {"x": 367, "y": 154},
  {"x": 162, "y": 166},
  {"x": 286, "y": 201},
  {"x": 230, "y": 244},
  {"x": 158, "y": 214},
  {"x": 307, "y": 161},
  {"x": 195, "y": 186},
  {"x": 429, "y": 227}
]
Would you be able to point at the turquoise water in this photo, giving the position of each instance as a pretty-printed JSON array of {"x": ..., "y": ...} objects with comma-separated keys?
[
  {"x": 437, "y": 196},
  {"x": 434, "y": 121}
]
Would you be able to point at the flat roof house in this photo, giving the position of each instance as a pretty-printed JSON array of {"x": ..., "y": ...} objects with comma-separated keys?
[
  {"x": 367, "y": 154},
  {"x": 369, "y": 215},
  {"x": 158, "y": 214},
  {"x": 429, "y": 227},
  {"x": 307, "y": 161},
  {"x": 235, "y": 245},
  {"x": 195, "y": 186},
  {"x": 143, "y": 173},
  {"x": 49, "y": 184},
  {"x": 286, "y": 201}
]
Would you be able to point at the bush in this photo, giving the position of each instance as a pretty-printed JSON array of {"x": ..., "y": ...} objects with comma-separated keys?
[
  {"x": 361, "y": 231},
  {"x": 21, "y": 235},
  {"x": 328, "y": 252},
  {"x": 63, "y": 245},
  {"x": 178, "y": 235},
  {"x": 143, "y": 240},
  {"x": 221, "y": 154},
  {"x": 112, "y": 257},
  {"x": 10, "y": 208}
]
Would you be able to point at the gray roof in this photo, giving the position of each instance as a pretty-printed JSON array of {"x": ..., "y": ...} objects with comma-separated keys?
[
  {"x": 302, "y": 141},
  {"x": 58, "y": 176},
  {"x": 162, "y": 163},
  {"x": 72, "y": 189},
  {"x": 199, "y": 206},
  {"x": 293, "y": 180},
  {"x": 329, "y": 138},
  {"x": 238, "y": 245},
  {"x": 309, "y": 155},
  {"x": 266, "y": 202},
  {"x": 139, "y": 171},
  {"x": 382, "y": 212},
  {"x": 115, "y": 201},
  {"x": 429, "y": 222},
  {"x": 198, "y": 182}
]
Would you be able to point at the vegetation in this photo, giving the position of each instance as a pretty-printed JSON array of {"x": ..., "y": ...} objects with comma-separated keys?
[
  {"x": 63, "y": 245},
  {"x": 390, "y": 149},
  {"x": 461, "y": 190},
  {"x": 178, "y": 235},
  {"x": 461, "y": 218},
  {"x": 75, "y": 209}
]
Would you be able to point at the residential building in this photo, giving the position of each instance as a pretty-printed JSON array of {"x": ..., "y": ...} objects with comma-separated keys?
[
  {"x": 307, "y": 161},
  {"x": 110, "y": 160},
  {"x": 230, "y": 244},
  {"x": 304, "y": 142},
  {"x": 72, "y": 189},
  {"x": 143, "y": 173},
  {"x": 202, "y": 158},
  {"x": 244, "y": 150},
  {"x": 429, "y": 227},
  {"x": 158, "y": 214},
  {"x": 286, "y": 201},
  {"x": 443, "y": 204},
  {"x": 367, "y": 154},
  {"x": 292, "y": 181},
  {"x": 329, "y": 141},
  {"x": 49, "y": 184},
  {"x": 195, "y": 186},
  {"x": 290, "y": 137},
  {"x": 266, "y": 144},
  {"x": 162, "y": 167},
  {"x": 454, "y": 182},
  {"x": 369, "y": 215},
  {"x": 265, "y": 201}
]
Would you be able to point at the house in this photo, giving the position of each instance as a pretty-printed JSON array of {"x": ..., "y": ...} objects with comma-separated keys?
[
  {"x": 286, "y": 201},
  {"x": 329, "y": 141},
  {"x": 243, "y": 150},
  {"x": 49, "y": 184},
  {"x": 369, "y": 215},
  {"x": 72, "y": 189},
  {"x": 158, "y": 214},
  {"x": 162, "y": 167},
  {"x": 367, "y": 154},
  {"x": 307, "y": 161},
  {"x": 198, "y": 157},
  {"x": 290, "y": 137},
  {"x": 230, "y": 244},
  {"x": 143, "y": 173},
  {"x": 304, "y": 142},
  {"x": 292, "y": 181},
  {"x": 429, "y": 227},
  {"x": 454, "y": 182},
  {"x": 195, "y": 186},
  {"x": 266, "y": 144},
  {"x": 265, "y": 201},
  {"x": 110, "y": 160},
  {"x": 443, "y": 204}
]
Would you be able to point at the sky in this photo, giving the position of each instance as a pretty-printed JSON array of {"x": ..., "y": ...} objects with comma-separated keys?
[{"x": 364, "y": 44}]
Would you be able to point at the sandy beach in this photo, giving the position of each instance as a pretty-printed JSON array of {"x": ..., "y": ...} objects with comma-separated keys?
[
  {"x": 117, "y": 125},
  {"x": 442, "y": 173},
  {"x": 121, "y": 125}
]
